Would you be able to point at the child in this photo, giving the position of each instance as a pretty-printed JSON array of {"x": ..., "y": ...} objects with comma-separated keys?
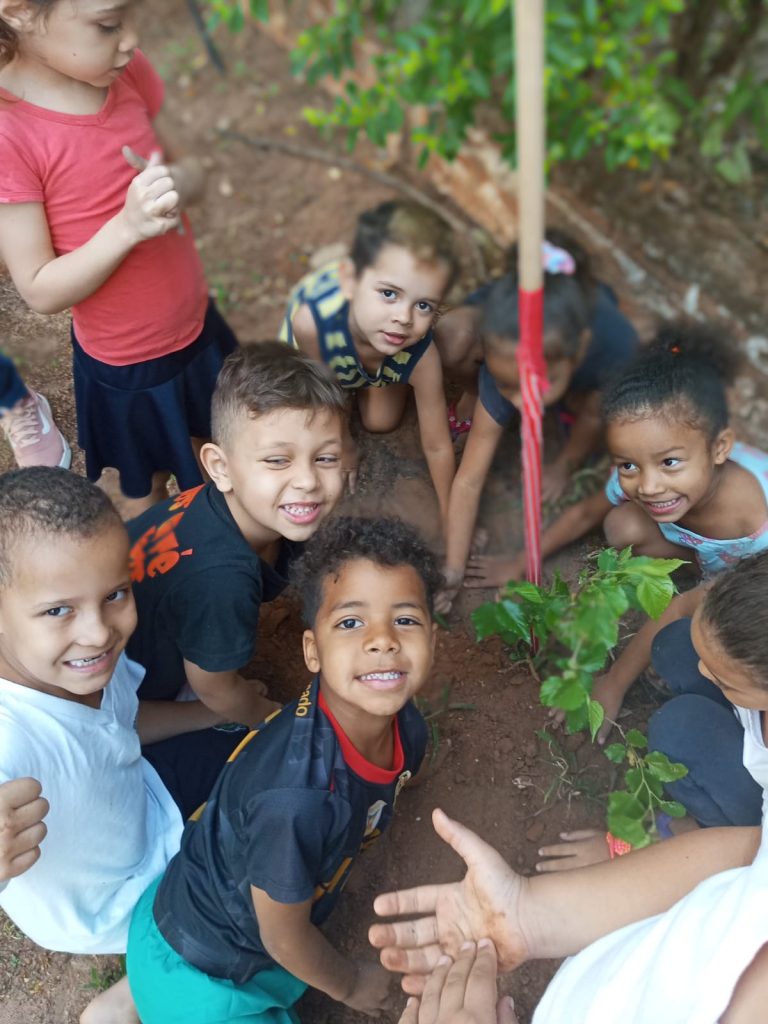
[
  {"x": 370, "y": 318},
  {"x": 231, "y": 930},
  {"x": 716, "y": 664},
  {"x": 203, "y": 561},
  {"x": 27, "y": 422},
  {"x": 681, "y": 486},
  {"x": 68, "y": 724},
  {"x": 79, "y": 109},
  {"x": 586, "y": 338}
]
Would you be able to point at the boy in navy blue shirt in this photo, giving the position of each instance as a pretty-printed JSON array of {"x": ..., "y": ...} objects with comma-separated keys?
[{"x": 231, "y": 930}]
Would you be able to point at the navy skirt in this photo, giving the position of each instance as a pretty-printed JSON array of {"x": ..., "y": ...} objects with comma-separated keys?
[{"x": 139, "y": 418}]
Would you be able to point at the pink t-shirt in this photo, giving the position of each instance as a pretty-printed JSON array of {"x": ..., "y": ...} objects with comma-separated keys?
[{"x": 154, "y": 303}]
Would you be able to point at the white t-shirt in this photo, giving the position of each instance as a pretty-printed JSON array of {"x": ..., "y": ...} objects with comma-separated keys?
[
  {"x": 755, "y": 754},
  {"x": 112, "y": 826},
  {"x": 677, "y": 968}
]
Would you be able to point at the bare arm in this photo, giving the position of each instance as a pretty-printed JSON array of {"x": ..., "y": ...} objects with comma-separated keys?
[
  {"x": 296, "y": 944},
  {"x": 611, "y": 688},
  {"x": 550, "y": 915},
  {"x": 750, "y": 997},
  {"x": 229, "y": 695},
  {"x": 467, "y": 489},
  {"x": 305, "y": 332},
  {"x": 49, "y": 283},
  {"x": 160, "y": 719},
  {"x": 427, "y": 383}
]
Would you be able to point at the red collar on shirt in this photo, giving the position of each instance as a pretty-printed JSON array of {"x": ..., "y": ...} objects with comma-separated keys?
[{"x": 352, "y": 756}]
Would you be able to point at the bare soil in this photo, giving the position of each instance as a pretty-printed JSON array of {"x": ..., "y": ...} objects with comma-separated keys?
[{"x": 266, "y": 214}]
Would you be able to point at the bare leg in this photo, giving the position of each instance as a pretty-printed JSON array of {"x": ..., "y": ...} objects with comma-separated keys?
[
  {"x": 115, "y": 1006},
  {"x": 629, "y": 525},
  {"x": 381, "y": 409},
  {"x": 133, "y": 507}
]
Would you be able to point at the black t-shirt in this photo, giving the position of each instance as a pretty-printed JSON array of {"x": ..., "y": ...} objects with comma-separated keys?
[
  {"x": 288, "y": 815},
  {"x": 198, "y": 587}
]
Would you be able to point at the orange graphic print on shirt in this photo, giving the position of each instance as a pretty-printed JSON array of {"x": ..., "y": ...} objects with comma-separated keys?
[{"x": 156, "y": 551}]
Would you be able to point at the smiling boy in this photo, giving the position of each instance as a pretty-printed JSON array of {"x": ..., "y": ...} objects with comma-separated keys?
[
  {"x": 231, "y": 930},
  {"x": 203, "y": 561}
]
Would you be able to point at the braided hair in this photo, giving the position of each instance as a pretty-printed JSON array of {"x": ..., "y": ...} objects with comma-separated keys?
[{"x": 683, "y": 373}]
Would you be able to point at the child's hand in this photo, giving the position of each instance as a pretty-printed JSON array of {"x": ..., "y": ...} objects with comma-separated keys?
[
  {"x": 22, "y": 809},
  {"x": 152, "y": 204},
  {"x": 447, "y": 594},
  {"x": 554, "y": 480},
  {"x": 463, "y": 992},
  {"x": 604, "y": 691},
  {"x": 374, "y": 989},
  {"x": 581, "y": 848}
]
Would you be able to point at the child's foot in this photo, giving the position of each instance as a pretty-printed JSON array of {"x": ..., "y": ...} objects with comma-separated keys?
[
  {"x": 34, "y": 438},
  {"x": 115, "y": 1006},
  {"x": 492, "y": 571}
]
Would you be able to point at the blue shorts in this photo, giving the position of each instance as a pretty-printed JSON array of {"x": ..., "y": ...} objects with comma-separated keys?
[
  {"x": 168, "y": 990},
  {"x": 139, "y": 418}
]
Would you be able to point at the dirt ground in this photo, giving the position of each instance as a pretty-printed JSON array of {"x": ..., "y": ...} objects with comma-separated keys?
[{"x": 265, "y": 215}]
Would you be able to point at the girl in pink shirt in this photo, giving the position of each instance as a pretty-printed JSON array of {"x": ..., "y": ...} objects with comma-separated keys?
[{"x": 91, "y": 218}]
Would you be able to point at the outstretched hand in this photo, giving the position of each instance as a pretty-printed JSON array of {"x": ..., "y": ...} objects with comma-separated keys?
[
  {"x": 463, "y": 992},
  {"x": 493, "y": 570},
  {"x": 485, "y": 904},
  {"x": 579, "y": 849}
]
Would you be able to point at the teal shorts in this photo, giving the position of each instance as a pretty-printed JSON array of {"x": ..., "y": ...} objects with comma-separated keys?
[{"x": 168, "y": 990}]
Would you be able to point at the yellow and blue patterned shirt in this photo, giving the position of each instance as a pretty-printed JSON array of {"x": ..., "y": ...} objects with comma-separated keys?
[{"x": 321, "y": 291}]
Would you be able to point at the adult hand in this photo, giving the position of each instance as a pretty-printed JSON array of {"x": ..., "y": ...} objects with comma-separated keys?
[
  {"x": 463, "y": 992},
  {"x": 22, "y": 809},
  {"x": 485, "y": 904},
  {"x": 578, "y": 850},
  {"x": 152, "y": 204}
]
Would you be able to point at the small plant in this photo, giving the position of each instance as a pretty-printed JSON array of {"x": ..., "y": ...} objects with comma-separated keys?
[{"x": 575, "y": 630}]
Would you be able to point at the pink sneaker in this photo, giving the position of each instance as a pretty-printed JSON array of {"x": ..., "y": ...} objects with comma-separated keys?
[{"x": 34, "y": 438}]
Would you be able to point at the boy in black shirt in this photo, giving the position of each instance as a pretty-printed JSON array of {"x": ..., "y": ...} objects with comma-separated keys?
[
  {"x": 203, "y": 561},
  {"x": 230, "y": 932}
]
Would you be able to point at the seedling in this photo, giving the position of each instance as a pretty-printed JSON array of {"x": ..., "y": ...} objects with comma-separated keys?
[{"x": 576, "y": 629}]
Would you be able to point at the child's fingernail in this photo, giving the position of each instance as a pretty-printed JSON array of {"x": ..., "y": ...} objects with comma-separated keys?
[
  {"x": 467, "y": 945},
  {"x": 484, "y": 944},
  {"x": 412, "y": 1001},
  {"x": 444, "y": 959}
]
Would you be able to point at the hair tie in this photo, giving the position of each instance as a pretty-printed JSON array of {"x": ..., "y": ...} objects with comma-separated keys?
[{"x": 557, "y": 260}]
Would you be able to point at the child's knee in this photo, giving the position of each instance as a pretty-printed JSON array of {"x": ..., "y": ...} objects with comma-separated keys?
[{"x": 624, "y": 527}]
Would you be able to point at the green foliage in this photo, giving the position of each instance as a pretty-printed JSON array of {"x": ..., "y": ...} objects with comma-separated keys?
[
  {"x": 575, "y": 630},
  {"x": 627, "y": 78}
]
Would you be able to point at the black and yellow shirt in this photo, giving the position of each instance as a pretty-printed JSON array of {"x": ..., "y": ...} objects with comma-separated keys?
[{"x": 321, "y": 292}]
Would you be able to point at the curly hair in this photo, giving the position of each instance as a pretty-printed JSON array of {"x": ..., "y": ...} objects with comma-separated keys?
[
  {"x": 262, "y": 377},
  {"x": 682, "y": 374},
  {"x": 9, "y": 37},
  {"x": 385, "y": 542},
  {"x": 735, "y": 609},
  {"x": 42, "y": 500}
]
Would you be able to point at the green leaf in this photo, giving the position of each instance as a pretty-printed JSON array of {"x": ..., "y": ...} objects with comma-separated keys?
[
  {"x": 528, "y": 591},
  {"x": 672, "y": 808},
  {"x": 636, "y": 739},
  {"x": 625, "y": 818},
  {"x": 595, "y": 716},
  {"x": 654, "y": 595},
  {"x": 663, "y": 769},
  {"x": 607, "y": 560},
  {"x": 485, "y": 620},
  {"x": 615, "y": 752},
  {"x": 557, "y": 692}
]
